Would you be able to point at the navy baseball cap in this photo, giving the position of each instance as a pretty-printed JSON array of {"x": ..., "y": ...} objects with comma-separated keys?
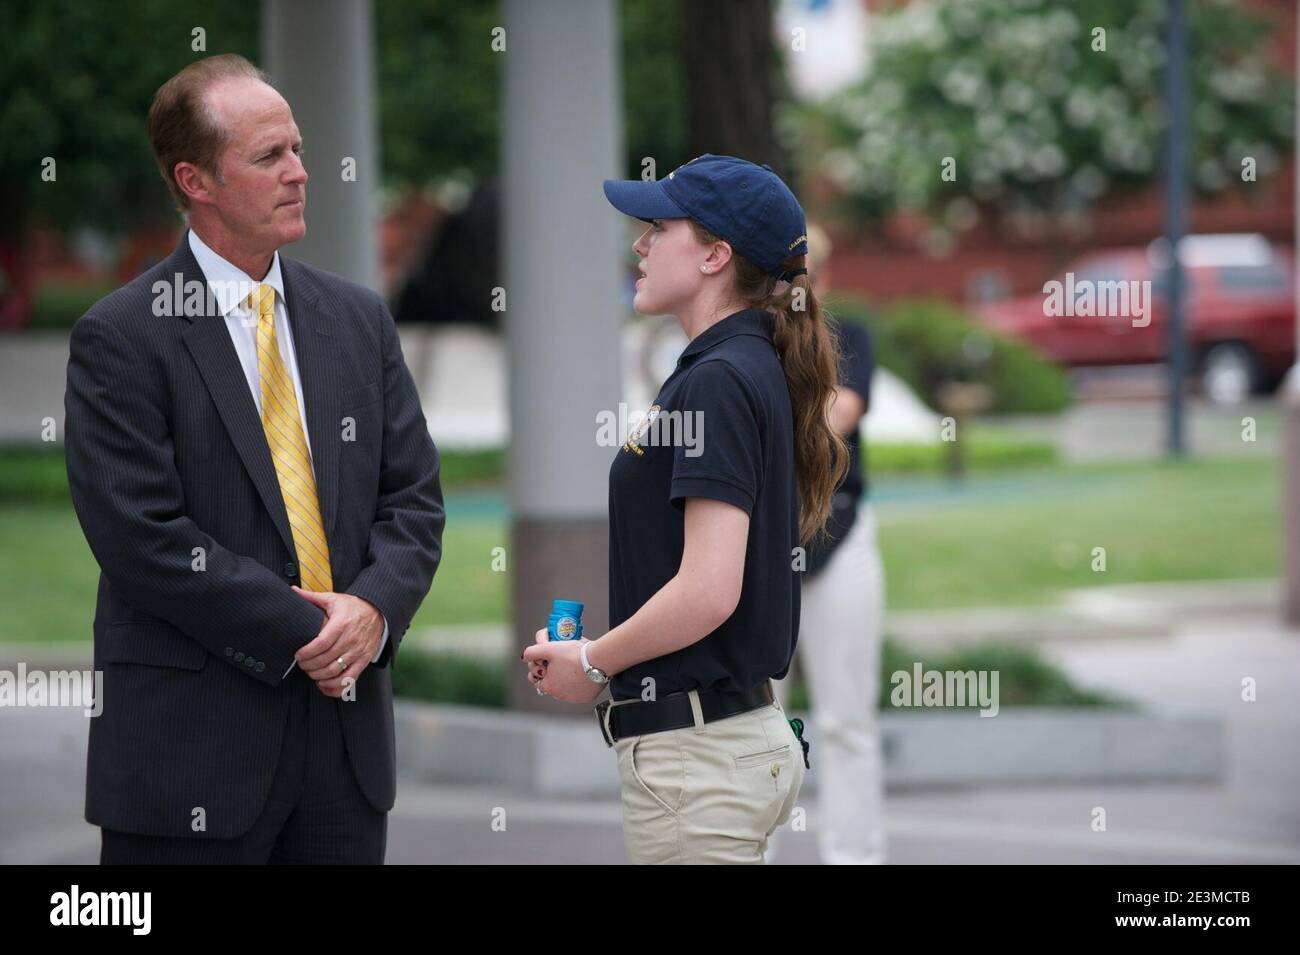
[{"x": 746, "y": 204}]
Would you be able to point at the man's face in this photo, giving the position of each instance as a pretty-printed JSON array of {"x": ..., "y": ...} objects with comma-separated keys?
[{"x": 262, "y": 191}]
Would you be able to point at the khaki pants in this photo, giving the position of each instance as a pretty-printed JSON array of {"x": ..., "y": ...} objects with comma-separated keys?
[{"x": 709, "y": 793}]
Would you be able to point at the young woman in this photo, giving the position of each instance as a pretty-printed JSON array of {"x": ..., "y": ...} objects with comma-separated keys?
[{"x": 733, "y": 470}]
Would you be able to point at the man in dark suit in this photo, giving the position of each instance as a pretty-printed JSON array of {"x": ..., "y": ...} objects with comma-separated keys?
[{"x": 251, "y": 467}]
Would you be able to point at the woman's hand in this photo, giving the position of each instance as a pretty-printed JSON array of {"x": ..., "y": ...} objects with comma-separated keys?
[
  {"x": 537, "y": 670},
  {"x": 555, "y": 667}
]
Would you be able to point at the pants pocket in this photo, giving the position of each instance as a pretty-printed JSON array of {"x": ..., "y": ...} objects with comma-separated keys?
[
  {"x": 659, "y": 774},
  {"x": 766, "y": 756}
]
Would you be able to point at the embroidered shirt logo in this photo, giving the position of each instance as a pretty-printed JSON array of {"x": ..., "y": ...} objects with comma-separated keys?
[{"x": 633, "y": 442}]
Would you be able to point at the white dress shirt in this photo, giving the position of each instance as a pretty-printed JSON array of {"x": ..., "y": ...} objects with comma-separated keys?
[{"x": 230, "y": 287}]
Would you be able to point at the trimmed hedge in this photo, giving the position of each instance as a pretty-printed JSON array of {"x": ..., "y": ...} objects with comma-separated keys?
[
  {"x": 927, "y": 342},
  {"x": 1024, "y": 677},
  {"x": 32, "y": 473},
  {"x": 983, "y": 452},
  {"x": 57, "y": 305},
  {"x": 451, "y": 678}
]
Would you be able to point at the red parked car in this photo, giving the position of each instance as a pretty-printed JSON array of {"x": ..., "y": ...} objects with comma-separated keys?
[{"x": 1240, "y": 313}]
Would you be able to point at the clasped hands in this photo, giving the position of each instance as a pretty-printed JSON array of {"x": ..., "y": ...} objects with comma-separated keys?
[{"x": 351, "y": 633}]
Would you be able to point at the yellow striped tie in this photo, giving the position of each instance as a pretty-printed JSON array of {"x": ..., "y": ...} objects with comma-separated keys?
[{"x": 283, "y": 427}]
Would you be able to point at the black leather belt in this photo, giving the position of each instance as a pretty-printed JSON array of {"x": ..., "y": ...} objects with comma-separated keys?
[{"x": 673, "y": 712}]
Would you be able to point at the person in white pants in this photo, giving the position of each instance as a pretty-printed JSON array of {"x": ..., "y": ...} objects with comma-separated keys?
[
  {"x": 840, "y": 631},
  {"x": 839, "y": 656}
]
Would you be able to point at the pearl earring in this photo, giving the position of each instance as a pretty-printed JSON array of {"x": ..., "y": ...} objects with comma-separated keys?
[{"x": 704, "y": 268}]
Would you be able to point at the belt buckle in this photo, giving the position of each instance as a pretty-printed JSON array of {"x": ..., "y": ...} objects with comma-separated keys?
[{"x": 600, "y": 710}]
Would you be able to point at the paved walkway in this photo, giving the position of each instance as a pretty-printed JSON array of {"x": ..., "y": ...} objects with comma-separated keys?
[
  {"x": 1214, "y": 637},
  {"x": 461, "y": 374}
]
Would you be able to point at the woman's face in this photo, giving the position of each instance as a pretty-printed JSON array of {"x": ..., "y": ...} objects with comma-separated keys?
[{"x": 671, "y": 257}]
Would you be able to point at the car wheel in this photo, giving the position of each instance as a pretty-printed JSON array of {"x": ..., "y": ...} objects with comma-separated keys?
[{"x": 1229, "y": 373}]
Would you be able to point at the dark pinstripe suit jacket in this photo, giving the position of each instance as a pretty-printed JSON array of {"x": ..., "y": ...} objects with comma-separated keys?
[{"x": 166, "y": 456}]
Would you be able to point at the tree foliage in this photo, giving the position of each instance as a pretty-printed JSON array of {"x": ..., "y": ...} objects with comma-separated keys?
[
  {"x": 77, "y": 78},
  {"x": 1043, "y": 106}
]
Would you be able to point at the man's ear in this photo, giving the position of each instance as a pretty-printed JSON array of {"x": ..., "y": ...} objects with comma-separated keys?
[{"x": 192, "y": 181}]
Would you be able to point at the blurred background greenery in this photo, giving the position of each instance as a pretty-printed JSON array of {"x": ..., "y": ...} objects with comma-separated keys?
[{"x": 1071, "y": 132}]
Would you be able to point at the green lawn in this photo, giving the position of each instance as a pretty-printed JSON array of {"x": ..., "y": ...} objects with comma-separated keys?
[
  {"x": 1003, "y": 538},
  {"x": 466, "y": 589},
  {"x": 48, "y": 575},
  {"x": 1019, "y": 543}
]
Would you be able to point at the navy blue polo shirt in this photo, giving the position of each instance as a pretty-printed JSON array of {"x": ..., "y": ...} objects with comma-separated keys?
[
  {"x": 721, "y": 428},
  {"x": 857, "y": 365}
]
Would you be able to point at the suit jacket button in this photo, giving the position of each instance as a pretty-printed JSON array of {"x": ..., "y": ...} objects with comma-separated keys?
[
  {"x": 249, "y": 661},
  {"x": 239, "y": 656},
  {"x": 229, "y": 651},
  {"x": 290, "y": 570},
  {"x": 260, "y": 666}
]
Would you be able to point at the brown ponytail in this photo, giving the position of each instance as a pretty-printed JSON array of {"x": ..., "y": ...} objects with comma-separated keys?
[{"x": 810, "y": 355}]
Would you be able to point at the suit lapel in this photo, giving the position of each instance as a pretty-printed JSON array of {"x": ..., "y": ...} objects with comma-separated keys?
[{"x": 208, "y": 341}]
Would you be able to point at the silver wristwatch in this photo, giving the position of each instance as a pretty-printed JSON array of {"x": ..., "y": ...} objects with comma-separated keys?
[{"x": 593, "y": 674}]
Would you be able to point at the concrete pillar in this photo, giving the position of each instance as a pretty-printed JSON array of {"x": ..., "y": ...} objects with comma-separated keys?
[
  {"x": 562, "y": 247},
  {"x": 1289, "y": 395},
  {"x": 320, "y": 54}
]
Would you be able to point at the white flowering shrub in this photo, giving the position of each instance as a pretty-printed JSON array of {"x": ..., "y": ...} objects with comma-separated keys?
[{"x": 1040, "y": 107}]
